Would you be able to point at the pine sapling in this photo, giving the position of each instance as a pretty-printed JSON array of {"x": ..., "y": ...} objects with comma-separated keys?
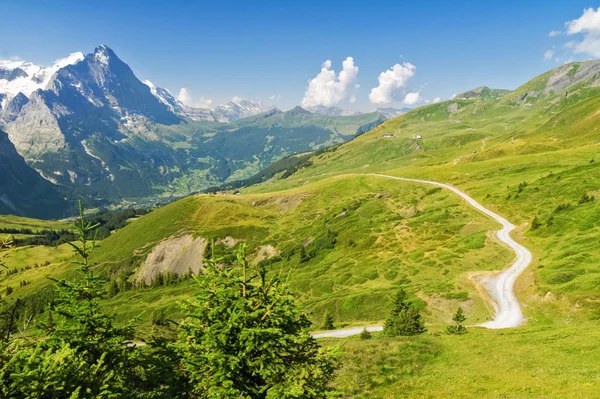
[{"x": 458, "y": 318}]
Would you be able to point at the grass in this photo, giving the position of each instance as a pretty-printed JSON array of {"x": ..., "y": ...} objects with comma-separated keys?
[
  {"x": 18, "y": 222},
  {"x": 528, "y": 362},
  {"x": 387, "y": 234},
  {"x": 520, "y": 161}
]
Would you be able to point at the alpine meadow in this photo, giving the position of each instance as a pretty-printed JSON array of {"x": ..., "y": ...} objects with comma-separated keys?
[{"x": 269, "y": 228}]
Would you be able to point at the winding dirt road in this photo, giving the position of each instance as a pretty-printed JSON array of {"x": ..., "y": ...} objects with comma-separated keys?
[{"x": 500, "y": 286}]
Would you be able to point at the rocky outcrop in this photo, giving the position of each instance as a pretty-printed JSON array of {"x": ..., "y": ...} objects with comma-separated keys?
[
  {"x": 177, "y": 255},
  {"x": 32, "y": 126}
]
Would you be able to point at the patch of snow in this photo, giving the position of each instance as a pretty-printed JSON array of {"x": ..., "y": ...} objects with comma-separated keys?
[{"x": 37, "y": 77}]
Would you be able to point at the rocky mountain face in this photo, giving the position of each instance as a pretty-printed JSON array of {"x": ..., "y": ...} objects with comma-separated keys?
[
  {"x": 94, "y": 130},
  {"x": 23, "y": 191},
  {"x": 225, "y": 113}
]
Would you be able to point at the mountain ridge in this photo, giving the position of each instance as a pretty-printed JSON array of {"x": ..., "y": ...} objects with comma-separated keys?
[{"x": 99, "y": 132}]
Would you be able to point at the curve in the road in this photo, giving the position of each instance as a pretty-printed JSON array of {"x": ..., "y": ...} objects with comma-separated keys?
[
  {"x": 500, "y": 287},
  {"x": 508, "y": 311}
]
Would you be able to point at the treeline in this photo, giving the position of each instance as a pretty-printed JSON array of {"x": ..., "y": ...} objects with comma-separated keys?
[
  {"x": 286, "y": 166},
  {"x": 106, "y": 220}
]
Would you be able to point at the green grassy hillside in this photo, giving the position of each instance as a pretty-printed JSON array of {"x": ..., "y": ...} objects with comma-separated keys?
[
  {"x": 537, "y": 158},
  {"x": 346, "y": 240},
  {"x": 346, "y": 244}
]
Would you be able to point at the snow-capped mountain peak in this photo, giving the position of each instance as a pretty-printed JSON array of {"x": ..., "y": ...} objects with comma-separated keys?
[
  {"x": 26, "y": 77},
  {"x": 102, "y": 54},
  {"x": 73, "y": 58}
]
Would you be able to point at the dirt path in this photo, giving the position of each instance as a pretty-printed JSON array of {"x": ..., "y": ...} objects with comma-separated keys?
[{"x": 500, "y": 286}]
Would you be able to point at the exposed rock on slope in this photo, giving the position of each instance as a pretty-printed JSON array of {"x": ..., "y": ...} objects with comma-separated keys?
[{"x": 176, "y": 255}]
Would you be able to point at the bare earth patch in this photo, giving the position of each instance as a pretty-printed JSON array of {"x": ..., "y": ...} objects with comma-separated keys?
[
  {"x": 176, "y": 255},
  {"x": 265, "y": 252}
]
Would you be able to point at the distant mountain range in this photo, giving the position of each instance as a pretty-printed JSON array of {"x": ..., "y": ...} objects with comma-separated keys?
[
  {"x": 228, "y": 112},
  {"x": 92, "y": 129},
  {"x": 391, "y": 113}
]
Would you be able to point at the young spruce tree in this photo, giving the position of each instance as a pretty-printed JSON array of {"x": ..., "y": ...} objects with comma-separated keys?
[
  {"x": 458, "y": 318},
  {"x": 404, "y": 319},
  {"x": 244, "y": 337}
]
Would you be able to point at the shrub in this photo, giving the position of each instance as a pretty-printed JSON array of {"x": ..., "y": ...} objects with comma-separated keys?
[
  {"x": 244, "y": 336},
  {"x": 364, "y": 334},
  {"x": 535, "y": 223},
  {"x": 328, "y": 323},
  {"x": 585, "y": 198}
]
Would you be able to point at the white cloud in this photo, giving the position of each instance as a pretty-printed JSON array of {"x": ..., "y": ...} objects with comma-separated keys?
[
  {"x": 412, "y": 98},
  {"x": 328, "y": 88},
  {"x": 589, "y": 26},
  {"x": 436, "y": 100},
  {"x": 548, "y": 55},
  {"x": 185, "y": 96},
  {"x": 275, "y": 97},
  {"x": 453, "y": 96},
  {"x": 554, "y": 33},
  {"x": 391, "y": 82}
]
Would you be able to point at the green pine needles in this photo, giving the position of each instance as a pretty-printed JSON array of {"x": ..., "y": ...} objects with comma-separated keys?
[
  {"x": 245, "y": 337},
  {"x": 458, "y": 319},
  {"x": 404, "y": 319}
]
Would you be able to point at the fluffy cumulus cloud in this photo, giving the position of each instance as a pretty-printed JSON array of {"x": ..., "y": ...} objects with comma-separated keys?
[
  {"x": 587, "y": 25},
  {"x": 554, "y": 33},
  {"x": 412, "y": 98},
  {"x": 328, "y": 88},
  {"x": 185, "y": 96},
  {"x": 391, "y": 84},
  {"x": 548, "y": 55}
]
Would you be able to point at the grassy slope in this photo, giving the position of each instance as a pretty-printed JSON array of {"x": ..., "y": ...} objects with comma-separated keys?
[
  {"x": 488, "y": 149},
  {"x": 417, "y": 236},
  {"x": 528, "y": 362},
  {"x": 17, "y": 222},
  {"x": 389, "y": 233}
]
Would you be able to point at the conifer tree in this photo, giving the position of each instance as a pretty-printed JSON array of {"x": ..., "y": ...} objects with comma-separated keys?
[
  {"x": 365, "y": 334},
  {"x": 328, "y": 323},
  {"x": 458, "y": 318},
  {"x": 404, "y": 319},
  {"x": 85, "y": 354},
  {"x": 245, "y": 337}
]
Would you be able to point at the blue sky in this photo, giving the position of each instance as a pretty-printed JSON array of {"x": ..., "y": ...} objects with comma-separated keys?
[{"x": 263, "y": 49}]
